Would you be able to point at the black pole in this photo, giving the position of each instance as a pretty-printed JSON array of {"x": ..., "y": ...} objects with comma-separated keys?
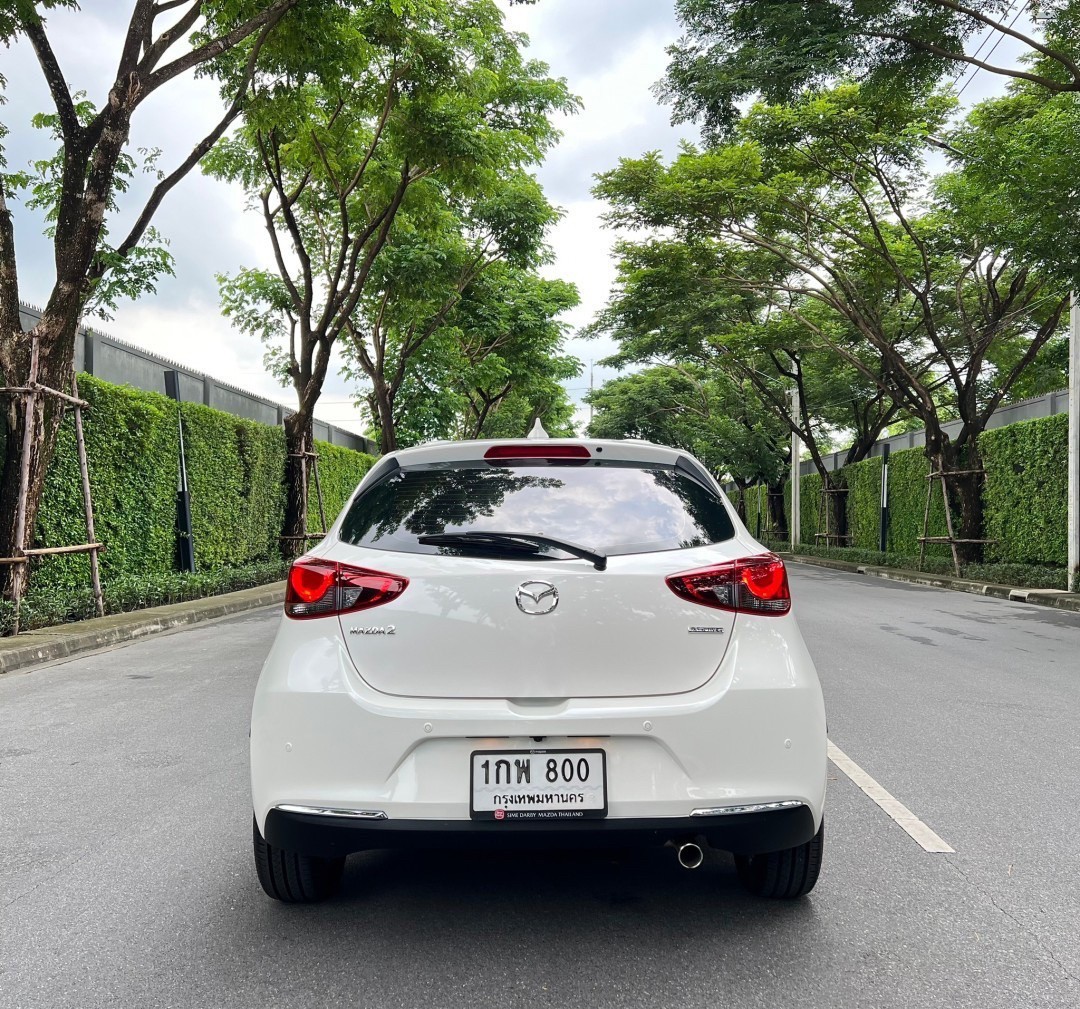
[
  {"x": 185, "y": 541},
  {"x": 884, "y": 533}
]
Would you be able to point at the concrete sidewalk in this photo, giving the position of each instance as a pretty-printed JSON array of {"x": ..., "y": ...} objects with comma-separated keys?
[
  {"x": 59, "y": 642},
  {"x": 1056, "y": 598}
]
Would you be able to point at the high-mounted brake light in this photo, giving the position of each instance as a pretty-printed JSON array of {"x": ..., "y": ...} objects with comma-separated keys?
[
  {"x": 750, "y": 585},
  {"x": 539, "y": 451},
  {"x": 318, "y": 588}
]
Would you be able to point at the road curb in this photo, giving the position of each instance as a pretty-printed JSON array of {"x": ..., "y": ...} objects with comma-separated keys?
[
  {"x": 65, "y": 640},
  {"x": 1054, "y": 598}
]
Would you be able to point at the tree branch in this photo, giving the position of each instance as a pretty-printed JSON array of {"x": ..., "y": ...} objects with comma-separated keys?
[
  {"x": 142, "y": 19},
  {"x": 377, "y": 232},
  {"x": 279, "y": 258},
  {"x": 198, "y": 152},
  {"x": 61, "y": 95},
  {"x": 168, "y": 38},
  {"x": 10, "y": 323},
  {"x": 1046, "y": 331},
  {"x": 1000, "y": 26},
  {"x": 1047, "y": 82},
  {"x": 216, "y": 47},
  {"x": 272, "y": 164}
]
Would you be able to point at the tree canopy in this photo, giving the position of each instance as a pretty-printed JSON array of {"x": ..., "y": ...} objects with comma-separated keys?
[
  {"x": 815, "y": 221},
  {"x": 734, "y": 50},
  {"x": 697, "y": 409},
  {"x": 389, "y": 173},
  {"x": 78, "y": 189}
]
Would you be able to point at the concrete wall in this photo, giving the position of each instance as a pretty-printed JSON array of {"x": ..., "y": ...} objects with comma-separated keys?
[
  {"x": 115, "y": 361},
  {"x": 1028, "y": 409}
]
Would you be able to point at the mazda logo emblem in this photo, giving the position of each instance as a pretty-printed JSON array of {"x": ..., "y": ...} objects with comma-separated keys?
[{"x": 535, "y": 599}]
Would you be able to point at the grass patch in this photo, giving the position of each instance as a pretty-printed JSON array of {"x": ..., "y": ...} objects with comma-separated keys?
[
  {"x": 43, "y": 607},
  {"x": 1029, "y": 576}
]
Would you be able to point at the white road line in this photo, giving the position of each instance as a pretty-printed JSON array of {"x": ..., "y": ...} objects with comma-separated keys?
[{"x": 918, "y": 830}]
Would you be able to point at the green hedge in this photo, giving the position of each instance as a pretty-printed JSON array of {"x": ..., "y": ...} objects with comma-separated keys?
[
  {"x": 235, "y": 475},
  {"x": 757, "y": 509},
  {"x": 132, "y": 459},
  {"x": 811, "y": 521},
  {"x": 340, "y": 470},
  {"x": 907, "y": 503},
  {"x": 1025, "y": 499},
  {"x": 262, "y": 457},
  {"x": 1027, "y": 575},
  {"x": 811, "y": 517},
  {"x": 1025, "y": 503},
  {"x": 216, "y": 482},
  {"x": 908, "y": 485},
  {"x": 44, "y": 606},
  {"x": 863, "y": 481}
]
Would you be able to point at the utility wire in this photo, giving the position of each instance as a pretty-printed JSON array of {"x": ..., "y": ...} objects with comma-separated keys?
[
  {"x": 1001, "y": 38},
  {"x": 965, "y": 67}
]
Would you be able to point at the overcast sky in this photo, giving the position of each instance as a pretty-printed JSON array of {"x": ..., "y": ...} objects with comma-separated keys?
[{"x": 610, "y": 52}]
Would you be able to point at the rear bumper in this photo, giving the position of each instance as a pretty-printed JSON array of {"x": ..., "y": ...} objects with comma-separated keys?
[
  {"x": 743, "y": 833},
  {"x": 754, "y": 734}
]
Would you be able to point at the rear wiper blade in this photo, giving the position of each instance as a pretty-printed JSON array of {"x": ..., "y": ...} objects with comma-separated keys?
[
  {"x": 514, "y": 541},
  {"x": 481, "y": 540}
]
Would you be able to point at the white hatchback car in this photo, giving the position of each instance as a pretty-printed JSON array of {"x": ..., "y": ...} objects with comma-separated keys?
[{"x": 541, "y": 643}]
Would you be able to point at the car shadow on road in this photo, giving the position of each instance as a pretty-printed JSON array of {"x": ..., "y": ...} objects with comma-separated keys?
[
  {"x": 602, "y": 876},
  {"x": 518, "y": 890},
  {"x": 582, "y": 928}
]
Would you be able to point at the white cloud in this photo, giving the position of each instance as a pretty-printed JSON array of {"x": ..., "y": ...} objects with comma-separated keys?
[{"x": 194, "y": 333}]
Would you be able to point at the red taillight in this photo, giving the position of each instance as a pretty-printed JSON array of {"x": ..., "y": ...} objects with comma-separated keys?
[
  {"x": 750, "y": 585},
  {"x": 318, "y": 588},
  {"x": 510, "y": 453}
]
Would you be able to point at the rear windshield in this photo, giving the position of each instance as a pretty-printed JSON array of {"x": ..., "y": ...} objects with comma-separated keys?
[{"x": 611, "y": 508}]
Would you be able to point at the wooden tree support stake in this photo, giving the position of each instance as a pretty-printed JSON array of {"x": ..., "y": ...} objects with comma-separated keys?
[
  {"x": 308, "y": 453},
  {"x": 824, "y": 509},
  {"x": 88, "y": 503},
  {"x": 318, "y": 490},
  {"x": 78, "y": 548},
  {"x": 32, "y": 395},
  {"x": 952, "y": 539}
]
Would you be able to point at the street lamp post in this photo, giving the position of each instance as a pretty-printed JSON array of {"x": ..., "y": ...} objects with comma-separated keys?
[
  {"x": 796, "y": 452},
  {"x": 883, "y": 525},
  {"x": 1074, "y": 445},
  {"x": 185, "y": 540}
]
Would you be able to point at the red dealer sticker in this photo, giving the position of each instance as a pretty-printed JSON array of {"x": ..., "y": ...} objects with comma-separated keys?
[{"x": 500, "y": 814}]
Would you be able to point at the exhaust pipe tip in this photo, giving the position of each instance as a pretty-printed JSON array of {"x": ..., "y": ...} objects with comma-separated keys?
[{"x": 690, "y": 855}]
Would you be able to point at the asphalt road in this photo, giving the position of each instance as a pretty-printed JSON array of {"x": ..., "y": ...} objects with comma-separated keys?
[{"x": 126, "y": 875}]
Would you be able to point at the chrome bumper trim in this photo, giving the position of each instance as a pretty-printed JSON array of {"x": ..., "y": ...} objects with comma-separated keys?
[
  {"x": 348, "y": 814},
  {"x": 757, "y": 807}
]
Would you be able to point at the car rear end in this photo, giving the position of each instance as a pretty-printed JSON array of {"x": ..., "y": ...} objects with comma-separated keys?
[{"x": 444, "y": 675}]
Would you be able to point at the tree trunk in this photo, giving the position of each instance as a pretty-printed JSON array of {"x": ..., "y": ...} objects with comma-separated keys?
[
  {"x": 838, "y": 504},
  {"x": 55, "y": 369},
  {"x": 776, "y": 510},
  {"x": 298, "y": 441},
  {"x": 384, "y": 408},
  {"x": 481, "y": 418},
  {"x": 964, "y": 480},
  {"x": 740, "y": 506}
]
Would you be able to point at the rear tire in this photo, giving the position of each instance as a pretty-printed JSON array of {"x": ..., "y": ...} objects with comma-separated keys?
[
  {"x": 783, "y": 875},
  {"x": 292, "y": 877}
]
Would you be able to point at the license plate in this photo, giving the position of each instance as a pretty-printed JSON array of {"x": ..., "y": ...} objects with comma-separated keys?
[{"x": 538, "y": 785}]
